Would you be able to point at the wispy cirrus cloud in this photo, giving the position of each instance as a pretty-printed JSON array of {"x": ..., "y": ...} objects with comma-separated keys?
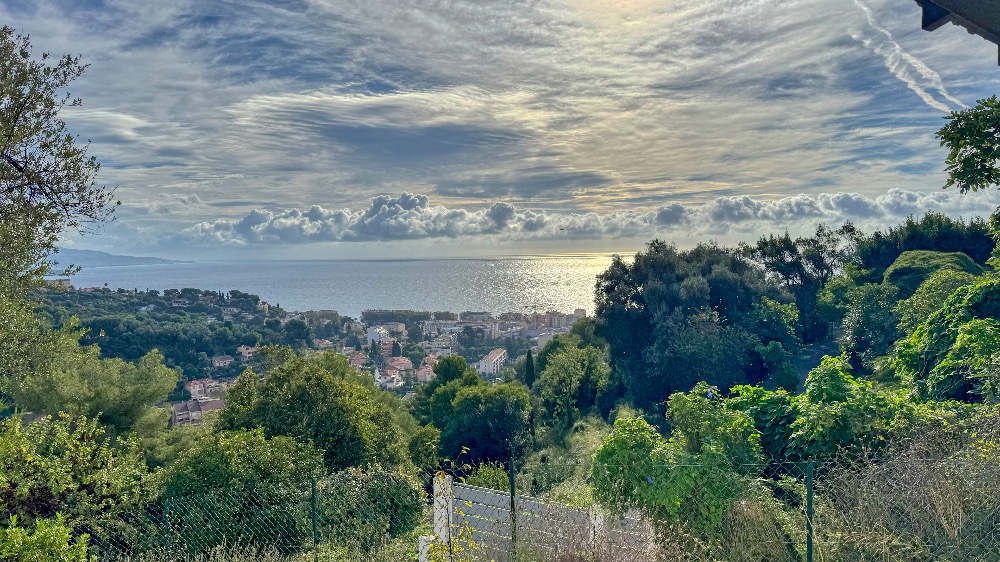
[{"x": 571, "y": 108}]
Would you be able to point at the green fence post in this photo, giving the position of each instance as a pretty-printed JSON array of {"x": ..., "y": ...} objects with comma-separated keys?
[
  {"x": 809, "y": 511},
  {"x": 513, "y": 507},
  {"x": 315, "y": 526}
]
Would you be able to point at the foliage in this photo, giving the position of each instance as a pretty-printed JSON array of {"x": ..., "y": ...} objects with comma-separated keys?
[
  {"x": 489, "y": 422},
  {"x": 804, "y": 265},
  {"x": 323, "y": 402},
  {"x": 772, "y": 413},
  {"x": 570, "y": 384},
  {"x": 77, "y": 381},
  {"x": 973, "y": 148},
  {"x": 46, "y": 178},
  {"x": 50, "y": 541},
  {"x": 703, "y": 424},
  {"x": 637, "y": 468},
  {"x": 838, "y": 411},
  {"x": 870, "y": 325},
  {"x": 360, "y": 509},
  {"x": 946, "y": 355},
  {"x": 914, "y": 267},
  {"x": 240, "y": 488},
  {"x": 929, "y": 297},
  {"x": 65, "y": 465},
  {"x": 934, "y": 231},
  {"x": 424, "y": 447},
  {"x": 492, "y": 475}
]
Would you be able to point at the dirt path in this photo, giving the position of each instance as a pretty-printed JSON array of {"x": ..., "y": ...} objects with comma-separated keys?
[{"x": 811, "y": 355}]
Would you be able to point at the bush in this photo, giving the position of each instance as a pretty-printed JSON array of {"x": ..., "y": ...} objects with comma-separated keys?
[{"x": 50, "y": 541}]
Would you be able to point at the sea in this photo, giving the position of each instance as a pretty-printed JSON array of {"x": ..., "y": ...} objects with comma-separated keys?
[{"x": 507, "y": 284}]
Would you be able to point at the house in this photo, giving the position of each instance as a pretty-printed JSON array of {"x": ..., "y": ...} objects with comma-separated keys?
[
  {"x": 194, "y": 410},
  {"x": 425, "y": 374},
  {"x": 246, "y": 352},
  {"x": 179, "y": 303},
  {"x": 401, "y": 363},
  {"x": 357, "y": 360},
  {"x": 230, "y": 310},
  {"x": 220, "y": 361},
  {"x": 205, "y": 388},
  {"x": 323, "y": 344},
  {"x": 263, "y": 307},
  {"x": 492, "y": 363}
]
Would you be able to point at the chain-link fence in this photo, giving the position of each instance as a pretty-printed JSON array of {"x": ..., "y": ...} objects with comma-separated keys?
[
  {"x": 347, "y": 516},
  {"x": 931, "y": 497}
]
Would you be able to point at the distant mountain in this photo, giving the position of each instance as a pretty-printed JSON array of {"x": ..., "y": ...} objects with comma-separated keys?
[{"x": 93, "y": 258}]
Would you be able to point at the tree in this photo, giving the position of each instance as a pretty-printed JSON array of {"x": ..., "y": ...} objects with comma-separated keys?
[
  {"x": 47, "y": 180},
  {"x": 66, "y": 465},
  {"x": 870, "y": 326},
  {"x": 529, "y": 370},
  {"x": 489, "y": 422},
  {"x": 929, "y": 296},
  {"x": 77, "y": 381},
  {"x": 972, "y": 137},
  {"x": 804, "y": 265},
  {"x": 323, "y": 402},
  {"x": 397, "y": 350},
  {"x": 656, "y": 313},
  {"x": 240, "y": 488}
]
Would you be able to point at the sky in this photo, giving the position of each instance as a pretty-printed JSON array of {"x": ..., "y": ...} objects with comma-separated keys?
[{"x": 321, "y": 129}]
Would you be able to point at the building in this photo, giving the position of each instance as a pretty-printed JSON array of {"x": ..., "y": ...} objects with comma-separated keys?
[
  {"x": 357, "y": 360},
  {"x": 425, "y": 374},
  {"x": 220, "y": 361},
  {"x": 194, "y": 410},
  {"x": 469, "y": 316},
  {"x": 981, "y": 17},
  {"x": 63, "y": 283},
  {"x": 492, "y": 363},
  {"x": 246, "y": 352},
  {"x": 205, "y": 388},
  {"x": 377, "y": 334},
  {"x": 401, "y": 363}
]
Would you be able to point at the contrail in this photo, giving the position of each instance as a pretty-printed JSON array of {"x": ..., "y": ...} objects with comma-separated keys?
[{"x": 902, "y": 64}]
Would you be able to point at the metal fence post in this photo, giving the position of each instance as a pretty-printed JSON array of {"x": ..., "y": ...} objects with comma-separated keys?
[
  {"x": 443, "y": 509},
  {"x": 809, "y": 510},
  {"x": 513, "y": 509},
  {"x": 315, "y": 526}
]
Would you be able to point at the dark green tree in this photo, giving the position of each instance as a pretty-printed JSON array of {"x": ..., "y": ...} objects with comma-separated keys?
[
  {"x": 321, "y": 401},
  {"x": 529, "y": 370},
  {"x": 489, "y": 422},
  {"x": 240, "y": 488}
]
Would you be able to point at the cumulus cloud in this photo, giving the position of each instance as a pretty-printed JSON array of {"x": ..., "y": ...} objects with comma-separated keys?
[{"x": 412, "y": 217}]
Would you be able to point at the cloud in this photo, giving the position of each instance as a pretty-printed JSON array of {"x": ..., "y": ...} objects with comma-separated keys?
[
  {"x": 413, "y": 217},
  {"x": 910, "y": 70},
  {"x": 598, "y": 118}
]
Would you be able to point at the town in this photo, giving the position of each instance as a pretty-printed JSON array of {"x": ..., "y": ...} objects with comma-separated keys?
[{"x": 380, "y": 352}]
